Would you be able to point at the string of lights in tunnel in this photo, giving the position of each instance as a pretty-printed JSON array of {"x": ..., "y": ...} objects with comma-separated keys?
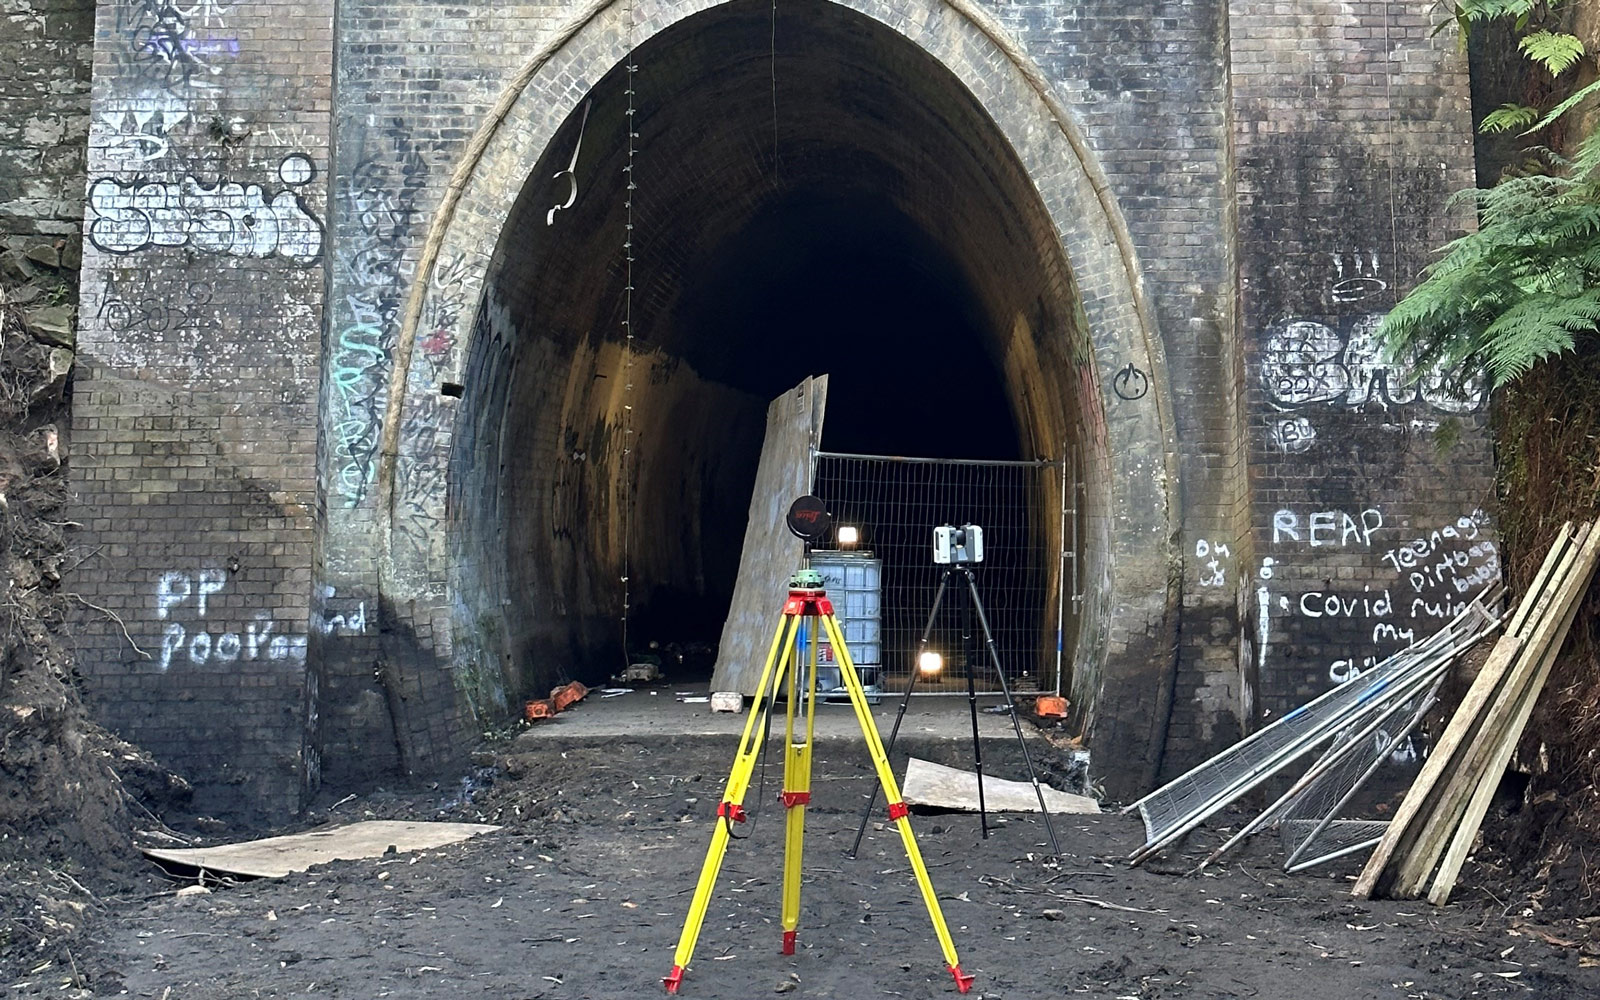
[{"x": 629, "y": 461}]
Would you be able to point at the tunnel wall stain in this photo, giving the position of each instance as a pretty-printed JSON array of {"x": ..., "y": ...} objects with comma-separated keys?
[{"x": 235, "y": 372}]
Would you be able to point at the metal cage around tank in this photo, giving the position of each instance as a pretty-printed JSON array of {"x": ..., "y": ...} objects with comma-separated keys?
[{"x": 1027, "y": 580}]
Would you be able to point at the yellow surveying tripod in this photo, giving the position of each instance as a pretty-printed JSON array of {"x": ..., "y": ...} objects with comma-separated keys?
[{"x": 807, "y": 608}]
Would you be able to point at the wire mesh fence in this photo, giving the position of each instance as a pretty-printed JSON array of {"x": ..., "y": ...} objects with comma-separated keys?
[{"x": 895, "y": 503}]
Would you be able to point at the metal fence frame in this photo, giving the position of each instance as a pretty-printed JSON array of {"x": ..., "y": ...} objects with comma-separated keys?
[{"x": 1065, "y": 601}]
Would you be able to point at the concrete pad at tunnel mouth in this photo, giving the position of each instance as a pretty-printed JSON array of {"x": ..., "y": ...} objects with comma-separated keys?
[{"x": 656, "y": 712}]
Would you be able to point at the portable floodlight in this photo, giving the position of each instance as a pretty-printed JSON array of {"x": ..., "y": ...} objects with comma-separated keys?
[
  {"x": 930, "y": 663},
  {"x": 849, "y": 535}
]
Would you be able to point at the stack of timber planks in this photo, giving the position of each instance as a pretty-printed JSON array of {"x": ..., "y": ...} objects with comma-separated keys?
[{"x": 1427, "y": 841}]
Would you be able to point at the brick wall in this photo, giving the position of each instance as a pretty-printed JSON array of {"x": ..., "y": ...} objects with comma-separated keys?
[
  {"x": 194, "y": 426},
  {"x": 1370, "y": 498},
  {"x": 1280, "y": 172}
]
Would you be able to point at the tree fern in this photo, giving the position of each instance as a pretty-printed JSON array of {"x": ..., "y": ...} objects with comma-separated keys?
[
  {"x": 1556, "y": 51},
  {"x": 1524, "y": 287}
]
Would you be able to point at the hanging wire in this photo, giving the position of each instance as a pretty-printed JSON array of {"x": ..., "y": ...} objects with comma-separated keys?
[
  {"x": 773, "y": 68},
  {"x": 628, "y": 444},
  {"x": 1394, "y": 142}
]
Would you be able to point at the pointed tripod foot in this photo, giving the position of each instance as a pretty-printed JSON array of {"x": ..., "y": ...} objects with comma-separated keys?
[
  {"x": 674, "y": 979},
  {"x": 788, "y": 942},
  {"x": 963, "y": 979}
]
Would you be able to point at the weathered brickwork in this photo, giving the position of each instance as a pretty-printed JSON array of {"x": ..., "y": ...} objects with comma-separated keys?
[
  {"x": 196, "y": 396},
  {"x": 1177, "y": 241},
  {"x": 1370, "y": 497}
]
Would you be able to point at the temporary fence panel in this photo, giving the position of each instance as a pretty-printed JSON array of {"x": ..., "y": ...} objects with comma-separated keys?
[{"x": 895, "y": 503}]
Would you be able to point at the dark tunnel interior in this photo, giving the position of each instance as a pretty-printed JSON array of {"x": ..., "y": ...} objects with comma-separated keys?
[
  {"x": 843, "y": 283},
  {"x": 875, "y": 227}
]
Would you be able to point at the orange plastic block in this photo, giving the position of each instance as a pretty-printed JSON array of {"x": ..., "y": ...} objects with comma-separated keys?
[
  {"x": 1051, "y": 707},
  {"x": 539, "y": 708},
  {"x": 568, "y": 695}
]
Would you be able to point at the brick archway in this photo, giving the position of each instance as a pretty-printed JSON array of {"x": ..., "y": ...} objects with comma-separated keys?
[{"x": 1125, "y": 648}]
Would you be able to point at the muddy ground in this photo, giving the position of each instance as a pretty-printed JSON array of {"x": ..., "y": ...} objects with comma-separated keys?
[{"x": 583, "y": 892}]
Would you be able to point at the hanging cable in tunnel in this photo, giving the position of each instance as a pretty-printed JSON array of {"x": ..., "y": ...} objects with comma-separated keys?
[
  {"x": 628, "y": 460},
  {"x": 772, "y": 52}
]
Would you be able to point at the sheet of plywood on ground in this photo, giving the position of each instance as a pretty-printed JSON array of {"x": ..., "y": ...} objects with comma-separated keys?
[
  {"x": 771, "y": 553},
  {"x": 939, "y": 787},
  {"x": 1451, "y": 803},
  {"x": 1400, "y": 832},
  {"x": 1505, "y": 745},
  {"x": 276, "y": 857}
]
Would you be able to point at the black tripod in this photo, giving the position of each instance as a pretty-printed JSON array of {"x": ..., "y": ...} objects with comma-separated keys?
[{"x": 972, "y": 704}]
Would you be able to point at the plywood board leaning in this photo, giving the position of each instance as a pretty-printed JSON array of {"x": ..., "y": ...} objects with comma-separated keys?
[
  {"x": 771, "y": 554},
  {"x": 941, "y": 787},
  {"x": 1400, "y": 833},
  {"x": 276, "y": 857}
]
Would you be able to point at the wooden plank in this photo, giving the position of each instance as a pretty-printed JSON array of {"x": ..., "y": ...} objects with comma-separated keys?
[
  {"x": 1506, "y": 744},
  {"x": 1570, "y": 582},
  {"x": 276, "y": 857},
  {"x": 1374, "y": 877},
  {"x": 1540, "y": 578},
  {"x": 771, "y": 553},
  {"x": 941, "y": 787}
]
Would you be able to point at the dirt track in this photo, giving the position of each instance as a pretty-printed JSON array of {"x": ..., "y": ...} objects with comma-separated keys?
[{"x": 584, "y": 891}]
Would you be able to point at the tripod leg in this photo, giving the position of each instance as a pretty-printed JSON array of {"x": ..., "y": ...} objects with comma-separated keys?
[
  {"x": 972, "y": 708},
  {"x": 797, "y": 788},
  {"x": 898, "y": 812},
  {"x": 905, "y": 702},
  {"x": 1016, "y": 723},
  {"x": 731, "y": 809}
]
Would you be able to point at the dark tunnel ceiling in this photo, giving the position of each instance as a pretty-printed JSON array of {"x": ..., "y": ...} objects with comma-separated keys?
[
  {"x": 890, "y": 246},
  {"x": 827, "y": 281}
]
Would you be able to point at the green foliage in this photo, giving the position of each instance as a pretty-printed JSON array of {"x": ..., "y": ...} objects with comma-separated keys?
[
  {"x": 1508, "y": 118},
  {"x": 1522, "y": 288},
  {"x": 1556, "y": 51}
]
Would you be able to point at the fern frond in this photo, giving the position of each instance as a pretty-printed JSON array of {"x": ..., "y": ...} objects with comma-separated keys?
[
  {"x": 1556, "y": 51},
  {"x": 1567, "y": 105},
  {"x": 1507, "y": 117}
]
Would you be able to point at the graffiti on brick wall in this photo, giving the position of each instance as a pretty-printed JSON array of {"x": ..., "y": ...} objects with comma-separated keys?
[
  {"x": 191, "y": 595},
  {"x": 132, "y": 302},
  {"x": 1356, "y": 276},
  {"x": 176, "y": 46},
  {"x": 380, "y": 197},
  {"x": 1420, "y": 583},
  {"x": 1307, "y": 362},
  {"x": 141, "y": 135},
  {"x": 239, "y": 220},
  {"x": 1214, "y": 559},
  {"x": 446, "y": 302},
  {"x": 1293, "y": 435},
  {"x": 421, "y": 470}
]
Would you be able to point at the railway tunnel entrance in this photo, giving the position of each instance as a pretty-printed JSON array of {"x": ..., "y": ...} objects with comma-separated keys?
[{"x": 813, "y": 193}]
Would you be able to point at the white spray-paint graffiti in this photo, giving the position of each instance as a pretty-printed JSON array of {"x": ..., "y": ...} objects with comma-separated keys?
[
  {"x": 1217, "y": 555},
  {"x": 1436, "y": 574},
  {"x": 142, "y": 134},
  {"x": 190, "y": 595},
  {"x": 1318, "y": 529},
  {"x": 1293, "y": 435},
  {"x": 240, "y": 220},
  {"x": 1307, "y": 362},
  {"x": 1356, "y": 276}
]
